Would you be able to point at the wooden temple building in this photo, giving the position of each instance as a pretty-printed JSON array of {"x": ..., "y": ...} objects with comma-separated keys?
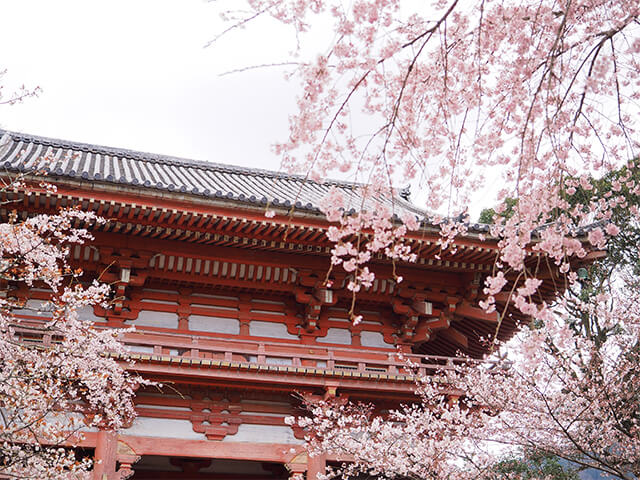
[{"x": 231, "y": 309}]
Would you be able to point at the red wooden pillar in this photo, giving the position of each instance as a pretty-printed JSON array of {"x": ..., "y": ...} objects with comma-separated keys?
[
  {"x": 316, "y": 466},
  {"x": 244, "y": 314},
  {"x": 104, "y": 466}
]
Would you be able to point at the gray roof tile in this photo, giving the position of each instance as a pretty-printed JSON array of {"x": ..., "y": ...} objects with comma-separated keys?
[{"x": 65, "y": 159}]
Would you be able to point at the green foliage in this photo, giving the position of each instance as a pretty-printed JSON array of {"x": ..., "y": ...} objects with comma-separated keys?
[
  {"x": 622, "y": 251},
  {"x": 488, "y": 215},
  {"x": 622, "y": 259},
  {"x": 532, "y": 466}
]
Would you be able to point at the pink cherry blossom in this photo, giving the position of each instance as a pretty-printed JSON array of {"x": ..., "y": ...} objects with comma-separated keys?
[
  {"x": 49, "y": 393},
  {"x": 597, "y": 238},
  {"x": 612, "y": 229}
]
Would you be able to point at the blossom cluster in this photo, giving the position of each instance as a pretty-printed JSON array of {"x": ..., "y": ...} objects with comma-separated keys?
[{"x": 536, "y": 97}]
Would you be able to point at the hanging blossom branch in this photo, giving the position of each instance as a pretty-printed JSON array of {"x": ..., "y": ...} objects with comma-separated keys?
[
  {"x": 560, "y": 395},
  {"x": 567, "y": 386},
  {"x": 19, "y": 95},
  {"x": 455, "y": 90}
]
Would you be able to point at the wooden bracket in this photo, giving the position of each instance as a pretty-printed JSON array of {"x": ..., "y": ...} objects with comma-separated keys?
[
  {"x": 126, "y": 457},
  {"x": 123, "y": 268},
  {"x": 413, "y": 311},
  {"x": 297, "y": 466},
  {"x": 465, "y": 309},
  {"x": 314, "y": 299}
]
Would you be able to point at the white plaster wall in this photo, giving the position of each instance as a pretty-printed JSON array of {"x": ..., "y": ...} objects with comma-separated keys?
[
  {"x": 157, "y": 290},
  {"x": 35, "y": 308},
  {"x": 270, "y": 302},
  {"x": 341, "y": 336},
  {"x": 373, "y": 339},
  {"x": 163, "y": 302},
  {"x": 270, "y": 329},
  {"x": 68, "y": 421},
  {"x": 202, "y": 323},
  {"x": 147, "y": 318},
  {"x": 278, "y": 361},
  {"x": 268, "y": 312},
  {"x": 163, "y": 407},
  {"x": 263, "y": 434},
  {"x": 163, "y": 428},
  {"x": 86, "y": 313},
  {"x": 370, "y": 322},
  {"x": 139, "y": 348}
]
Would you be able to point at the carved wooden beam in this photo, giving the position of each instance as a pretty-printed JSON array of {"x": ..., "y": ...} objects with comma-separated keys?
[
  {"x": 413, "y": 311},
  {"x": 424, "y": 331},
  {"x": 475, "y": 287},
  {"x": 465, "y": 309},
  {"x": 126, "y": 457},
  {"x": 455, "y": 336}
]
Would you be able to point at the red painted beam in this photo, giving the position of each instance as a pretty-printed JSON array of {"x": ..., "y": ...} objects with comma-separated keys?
[
  {"x": 172, "y": 447},
  {"x": 465, "y": 309},
  {"x": 273, "y": 380},
  {"x": 299, "y": 261}
]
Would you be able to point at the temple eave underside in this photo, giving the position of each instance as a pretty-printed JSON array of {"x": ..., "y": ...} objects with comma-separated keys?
[{"x": 180, "y": 249}]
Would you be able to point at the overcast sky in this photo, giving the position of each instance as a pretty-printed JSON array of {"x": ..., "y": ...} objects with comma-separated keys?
[{"x": 135, "y": 74}]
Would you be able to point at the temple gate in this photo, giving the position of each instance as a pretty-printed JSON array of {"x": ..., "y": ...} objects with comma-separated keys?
[{"x": 232, "y": 311}]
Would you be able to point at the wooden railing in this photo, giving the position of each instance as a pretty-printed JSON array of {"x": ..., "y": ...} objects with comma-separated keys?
[
  {"x": 264, "y": 353},
  {"x": 358, "y": 359}
]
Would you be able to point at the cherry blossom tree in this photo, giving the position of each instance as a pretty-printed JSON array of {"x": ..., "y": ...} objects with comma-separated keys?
[
  {"x": 55, "y": 379},
  {"x": 540, "y": 98},
  {"x": 442, "y": 94},
  {"x": 566, "y": 394},
  {"x": 568, "y": 388}
]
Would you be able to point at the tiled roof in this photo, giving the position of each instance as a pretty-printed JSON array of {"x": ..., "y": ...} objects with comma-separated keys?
[
  {"x": 80, "y": 161},
  {"x": 62, "y": 159}
]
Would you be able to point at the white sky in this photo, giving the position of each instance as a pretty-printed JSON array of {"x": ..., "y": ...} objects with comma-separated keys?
[{"x": 135, "y": 74}]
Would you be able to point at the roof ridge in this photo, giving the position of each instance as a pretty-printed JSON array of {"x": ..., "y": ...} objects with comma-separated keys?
[{"x": 169, "y": 159}]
